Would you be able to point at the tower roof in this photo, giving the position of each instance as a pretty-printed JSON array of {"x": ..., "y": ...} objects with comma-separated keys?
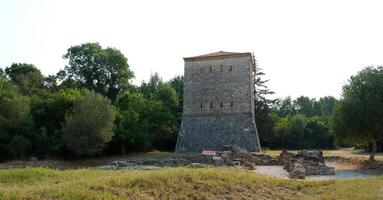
[{"x": 217, "y": 55}]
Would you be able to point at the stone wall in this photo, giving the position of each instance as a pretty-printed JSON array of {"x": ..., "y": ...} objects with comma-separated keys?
[{"x": 218, "y": 105}]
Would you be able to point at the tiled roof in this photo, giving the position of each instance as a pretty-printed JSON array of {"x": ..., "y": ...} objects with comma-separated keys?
[{"x": 217, "y": 55}]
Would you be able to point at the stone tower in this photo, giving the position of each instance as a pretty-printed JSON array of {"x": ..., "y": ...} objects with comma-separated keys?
[{"x": 218, "y": 104}]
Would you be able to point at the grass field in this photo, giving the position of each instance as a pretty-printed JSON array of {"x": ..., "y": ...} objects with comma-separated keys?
[
  {"x": 180, "y": 183},
  {"x": 175, "y": 183}
]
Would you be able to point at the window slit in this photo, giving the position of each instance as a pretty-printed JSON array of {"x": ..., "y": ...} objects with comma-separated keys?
[
  {"x": 230, "y": 68},
  {"x": 231, "y": 104}
]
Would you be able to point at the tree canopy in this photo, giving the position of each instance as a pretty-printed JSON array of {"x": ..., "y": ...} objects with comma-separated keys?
[
  {"x": 359, "y": 115},
  {"x": 89, "y": 127},
  {"x": 90, "y": 66}
]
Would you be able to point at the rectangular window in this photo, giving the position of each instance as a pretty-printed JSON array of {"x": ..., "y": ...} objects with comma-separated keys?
[
  {"x": 231, "y": 104},
  {"x": 201, "y": 105},
  {"x": 221, "y": 68},
  {"x": 221, "y": 104},
  {"x": 210, "y": 69},
  {"x": 211, "y": 104},
  {"x": 230, "y": 68}
]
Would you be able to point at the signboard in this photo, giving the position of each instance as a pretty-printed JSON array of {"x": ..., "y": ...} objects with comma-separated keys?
[{"x": 208, "y": 153}]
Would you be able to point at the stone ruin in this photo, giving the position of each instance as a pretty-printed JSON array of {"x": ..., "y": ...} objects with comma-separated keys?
[{"x": 305, "y": 163}]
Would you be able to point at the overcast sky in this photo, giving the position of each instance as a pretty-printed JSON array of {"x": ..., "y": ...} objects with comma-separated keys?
[{"x": 305, "y": 47}]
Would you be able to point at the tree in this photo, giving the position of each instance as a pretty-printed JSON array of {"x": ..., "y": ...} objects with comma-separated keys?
[
  {"x": 327, "y": 105},
  {"x": 89, "y": 127},
  {"x": 305, "y": 106},
  {"x": 106, "y": 71},
  {"x": 286, "y": 108},
  {"x": 263, "y": 105},
  {"x": 133, "y": 128},
  {"x": 359, "y": 115},
  {"x": 27, "y": 77},
  {"x": 178, "y": 84},
  {"x": 49, "y": 116},
  {"x": 16, "y": 125}
]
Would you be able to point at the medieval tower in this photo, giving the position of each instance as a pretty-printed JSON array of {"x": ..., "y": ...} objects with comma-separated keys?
[{"x": 218, "y": 103}]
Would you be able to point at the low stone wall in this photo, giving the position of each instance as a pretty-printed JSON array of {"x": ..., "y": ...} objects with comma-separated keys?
[{"x": 305, "y": 163}]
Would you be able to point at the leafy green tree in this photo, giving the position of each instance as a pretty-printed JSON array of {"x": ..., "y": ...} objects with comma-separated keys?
[
  {"x": 16, "y": 125},
  {"x": 304, "y": 105},
  {"x": 359, "y": 115},
  {"x": 49, "y": 116},
  {"x": 263, "y": 105},
  {"x": 327, "y": 105},
  {"x": 106, "y": 71},
  {"x": 27, "y": 77},
  {"x": 87, "y": 130},
  {"x": 133, "y": 128},
  {"x": 285, "y": 107},
  {"x": 178, "y": 84}
]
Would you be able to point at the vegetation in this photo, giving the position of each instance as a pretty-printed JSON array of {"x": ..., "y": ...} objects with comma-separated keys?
[
  {"x": 89, "y": 127},
  {"x": 175, "y": 183},
  {"x": 359, "y": 116},
  {"x": 91, "y": 108}
]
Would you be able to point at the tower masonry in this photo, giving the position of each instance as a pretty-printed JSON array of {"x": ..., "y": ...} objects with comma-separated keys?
[{"x": 218, "y": 104}]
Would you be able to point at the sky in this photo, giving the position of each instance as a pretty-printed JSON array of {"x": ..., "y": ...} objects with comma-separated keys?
[{"x": 305, "y": 47}]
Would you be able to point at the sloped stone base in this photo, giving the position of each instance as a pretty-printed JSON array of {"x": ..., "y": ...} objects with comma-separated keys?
[{"x": 211, "y": 132}]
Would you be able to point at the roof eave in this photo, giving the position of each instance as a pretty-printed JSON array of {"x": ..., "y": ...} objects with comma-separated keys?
[{"x": 234, "y": 55}]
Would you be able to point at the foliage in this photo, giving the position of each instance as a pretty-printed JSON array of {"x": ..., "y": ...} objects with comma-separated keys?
[
  {"x": 105, "y": 71},
  {"x": 54, "y": 116},
  {"x": 263, "y": 106},
  {"x": 27, "y": 77},
  {"x": 49, "y": 116},
  {"x": 16, "y": 125},
  {"x": 301, "y": 132},
  {"x": 89, "y": 127},
  {"x": 359, "y": 115},
  {"x": 149, "y": 118}
]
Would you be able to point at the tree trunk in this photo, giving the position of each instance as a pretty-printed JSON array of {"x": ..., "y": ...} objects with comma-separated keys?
[{"x": 373, "y": 150}]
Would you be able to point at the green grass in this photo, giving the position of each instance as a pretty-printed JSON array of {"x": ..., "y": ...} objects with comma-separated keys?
[{"x": 175, "y": 183}]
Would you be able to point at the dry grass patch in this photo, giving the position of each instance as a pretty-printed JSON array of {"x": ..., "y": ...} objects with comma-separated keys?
[{"x": 174, "y": 183}]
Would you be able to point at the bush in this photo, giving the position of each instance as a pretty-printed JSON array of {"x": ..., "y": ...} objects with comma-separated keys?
[{"x": 89, "y": 127}]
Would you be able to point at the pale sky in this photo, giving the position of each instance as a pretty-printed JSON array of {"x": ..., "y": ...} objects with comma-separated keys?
[{"x": 305, "y": 47}]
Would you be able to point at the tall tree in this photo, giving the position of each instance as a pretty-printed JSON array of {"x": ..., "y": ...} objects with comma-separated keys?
[
  {"x": 327, "y": 105},
  {"x": 263, "y": 104},
  {"x": 359, "y": 115},
  {"x": 305, "y": 106},
  {"x": 285, "y": 107},
  {"x": 26, "y": 76},
  {"x": 105, "y": 71},
  {"x": 16, "y": 125}
]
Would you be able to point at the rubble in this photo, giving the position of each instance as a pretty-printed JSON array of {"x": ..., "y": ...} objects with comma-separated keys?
[
  {"x": 230, "y": 155},
  {"x": 305, "y": 163}
]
